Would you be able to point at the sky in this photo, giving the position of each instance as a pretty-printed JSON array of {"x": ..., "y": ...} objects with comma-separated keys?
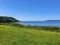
[{"x": 31, "y": 10}]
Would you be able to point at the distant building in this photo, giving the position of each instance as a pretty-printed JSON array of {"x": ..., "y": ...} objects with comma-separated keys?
[{"x": 5, "y": 19}]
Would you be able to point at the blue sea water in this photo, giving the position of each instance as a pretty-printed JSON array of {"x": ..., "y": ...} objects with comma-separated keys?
[{"x": 40, "y": 23}]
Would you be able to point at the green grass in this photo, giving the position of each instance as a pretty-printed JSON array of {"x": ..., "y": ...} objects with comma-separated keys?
[{"x": 10, "y": 35}]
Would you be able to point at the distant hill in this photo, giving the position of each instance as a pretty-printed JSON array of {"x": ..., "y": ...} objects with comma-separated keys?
[
  {"x": 53, "y": 20},
  {"x": 7, "y": 19}
]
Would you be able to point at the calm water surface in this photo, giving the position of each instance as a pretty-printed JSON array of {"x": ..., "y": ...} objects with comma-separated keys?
[{"x": 40, "y": 23}]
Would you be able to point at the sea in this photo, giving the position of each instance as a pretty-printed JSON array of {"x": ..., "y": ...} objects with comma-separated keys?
[{"x": 40, "y": 23}]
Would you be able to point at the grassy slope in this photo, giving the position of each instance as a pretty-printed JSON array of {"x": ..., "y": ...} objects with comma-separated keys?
[{"x": 23, "y": 36}]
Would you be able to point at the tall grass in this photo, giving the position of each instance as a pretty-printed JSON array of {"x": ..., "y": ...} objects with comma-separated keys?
[{"x": 10, "y": 35}]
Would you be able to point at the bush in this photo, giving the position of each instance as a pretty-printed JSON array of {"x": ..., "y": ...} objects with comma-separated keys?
[{"x": 50, "y": 28}]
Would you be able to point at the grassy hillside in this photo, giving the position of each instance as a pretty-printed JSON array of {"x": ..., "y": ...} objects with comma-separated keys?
[{"x": 10, "y": 35}]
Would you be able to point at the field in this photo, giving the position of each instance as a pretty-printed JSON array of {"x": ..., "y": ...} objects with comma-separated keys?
[{"x": 10, "y": 35}]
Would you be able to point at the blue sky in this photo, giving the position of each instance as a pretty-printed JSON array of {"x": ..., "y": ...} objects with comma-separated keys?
[{"x": 31, "y": 10}]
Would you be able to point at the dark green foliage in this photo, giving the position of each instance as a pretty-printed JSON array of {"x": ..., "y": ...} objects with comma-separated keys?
[
  {"x": 49, "y": 28},
  {"x": 5, "y": 19}
]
